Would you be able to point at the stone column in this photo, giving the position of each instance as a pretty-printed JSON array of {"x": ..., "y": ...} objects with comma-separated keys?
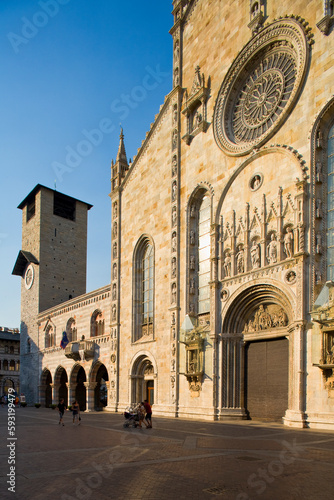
[
  {"x": 70, "y": 393},
  {"x": 90, "y": 387},
  {"x": 295, "y": 414},
  {"x": 232, "y": 400},
  {"x": 55, "y": 393},
  {"x": 110, "y": 384}
]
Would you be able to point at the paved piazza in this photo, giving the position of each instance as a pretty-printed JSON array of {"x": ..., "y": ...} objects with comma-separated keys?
[{"x": 177, "y": 459}]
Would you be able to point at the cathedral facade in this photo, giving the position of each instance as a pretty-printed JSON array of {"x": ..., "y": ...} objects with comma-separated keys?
[{"x": 220, "y": 303}]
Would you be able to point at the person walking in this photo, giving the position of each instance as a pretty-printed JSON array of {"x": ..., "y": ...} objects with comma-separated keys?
[
  {"x": 148, "y": 417},
  {"x": 76, "y": 412},
  {"x": 61, "y": 408},
  {"x": 141, "y": 414}
]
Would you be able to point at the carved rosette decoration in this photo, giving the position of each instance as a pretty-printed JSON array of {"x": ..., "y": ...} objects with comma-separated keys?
[{"x": 261, "y": 87}]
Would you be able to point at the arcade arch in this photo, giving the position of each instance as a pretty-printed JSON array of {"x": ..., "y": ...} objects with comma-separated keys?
[
  {"x": 78, "y": 382},
  {"x": 46, "y": 388},
  {"x": 60, "y": 384},
  {"x": 100, "y": 380}
]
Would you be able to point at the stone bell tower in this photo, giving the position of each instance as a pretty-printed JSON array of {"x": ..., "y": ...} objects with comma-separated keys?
[{"x": 52, "y": 265}]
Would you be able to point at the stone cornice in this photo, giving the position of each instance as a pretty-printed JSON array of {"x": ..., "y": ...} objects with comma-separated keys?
[{"x": 76, "y": 303}]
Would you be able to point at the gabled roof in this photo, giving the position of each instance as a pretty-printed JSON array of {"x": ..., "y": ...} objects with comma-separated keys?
[{"x": 22, "y": 260}]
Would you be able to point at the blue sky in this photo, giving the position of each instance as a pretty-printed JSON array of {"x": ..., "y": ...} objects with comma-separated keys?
[{"x": 71, "y": 68}]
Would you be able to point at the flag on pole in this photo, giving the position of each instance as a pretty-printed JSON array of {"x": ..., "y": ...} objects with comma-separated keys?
[{"x": 64, "y": 341}]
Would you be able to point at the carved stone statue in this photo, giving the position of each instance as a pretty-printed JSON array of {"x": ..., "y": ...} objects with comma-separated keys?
[
  {"x": 176, "y": 51},
  {"x": 318, "y": 248},
  {"x": 192, "y": 237},
  {"x": 192, "y": 262},
  {"x": 176, "y": 77},
  {"x": 174, "y": 166},
  {"x": 227, "y": 265},
  {"x": 256, "y": 182},
  {"x": 174, "y": 217},
  {"x": 173, "y": 267},
  {"x": 192, "y": 286},
  {"x": 318, "y": 208},
  {"x": 272, "y": 250},
  {"x": 174, "y": 242},
  {"x": 174, "y": 144},
  {"x": 240, "y": 260},
  {"x": 198, "y": 119},
  {"x": 113, "y": 314},
  {"x": 192, "y": 210},
  {"x": 255, "y": 255},
  {"x": 318, "y": 171},
  {"x": 173, "y": 293},
  {"x": 174, "y": 191},
  {"x": 288, "y": 243}
]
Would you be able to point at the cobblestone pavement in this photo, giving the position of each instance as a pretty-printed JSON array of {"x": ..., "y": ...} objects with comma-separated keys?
[{"x": 177, "y": 459}]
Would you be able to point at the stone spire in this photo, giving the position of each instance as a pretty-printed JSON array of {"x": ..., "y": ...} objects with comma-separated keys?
[
  {"x": 119, "y": 168},
  {"x": 121, "y": 154}
]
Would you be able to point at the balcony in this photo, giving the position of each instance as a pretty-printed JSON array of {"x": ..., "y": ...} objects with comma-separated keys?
[{"x": 80, "y": 350}]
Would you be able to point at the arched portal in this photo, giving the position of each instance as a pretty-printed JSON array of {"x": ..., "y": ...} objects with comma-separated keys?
[
  {"x": 60, "y": 381},
  {"x": 100, "y": 377},
  {"x": 143, "y": 377},
  {"x": 255, "y": 351},
  {"x": 46, "y": 389}
]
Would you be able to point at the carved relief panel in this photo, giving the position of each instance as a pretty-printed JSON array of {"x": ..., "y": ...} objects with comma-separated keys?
[{"x": 270, "y": 227}]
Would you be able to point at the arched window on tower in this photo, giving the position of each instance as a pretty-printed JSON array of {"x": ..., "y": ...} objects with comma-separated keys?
[
  {"x": 143, "y": 303},
  {"x": 330, "y": 205}
]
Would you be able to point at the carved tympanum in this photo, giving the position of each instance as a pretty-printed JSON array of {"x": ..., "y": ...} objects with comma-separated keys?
[{"x": 266, "y": 318}]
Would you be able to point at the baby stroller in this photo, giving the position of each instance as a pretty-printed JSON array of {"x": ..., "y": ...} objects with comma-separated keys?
[{"x": 131, "y": 417}]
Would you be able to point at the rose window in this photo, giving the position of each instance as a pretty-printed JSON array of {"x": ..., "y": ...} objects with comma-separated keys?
[
  {"x": 261, "y": 87},
  {"x": 263, "y": 97}
]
